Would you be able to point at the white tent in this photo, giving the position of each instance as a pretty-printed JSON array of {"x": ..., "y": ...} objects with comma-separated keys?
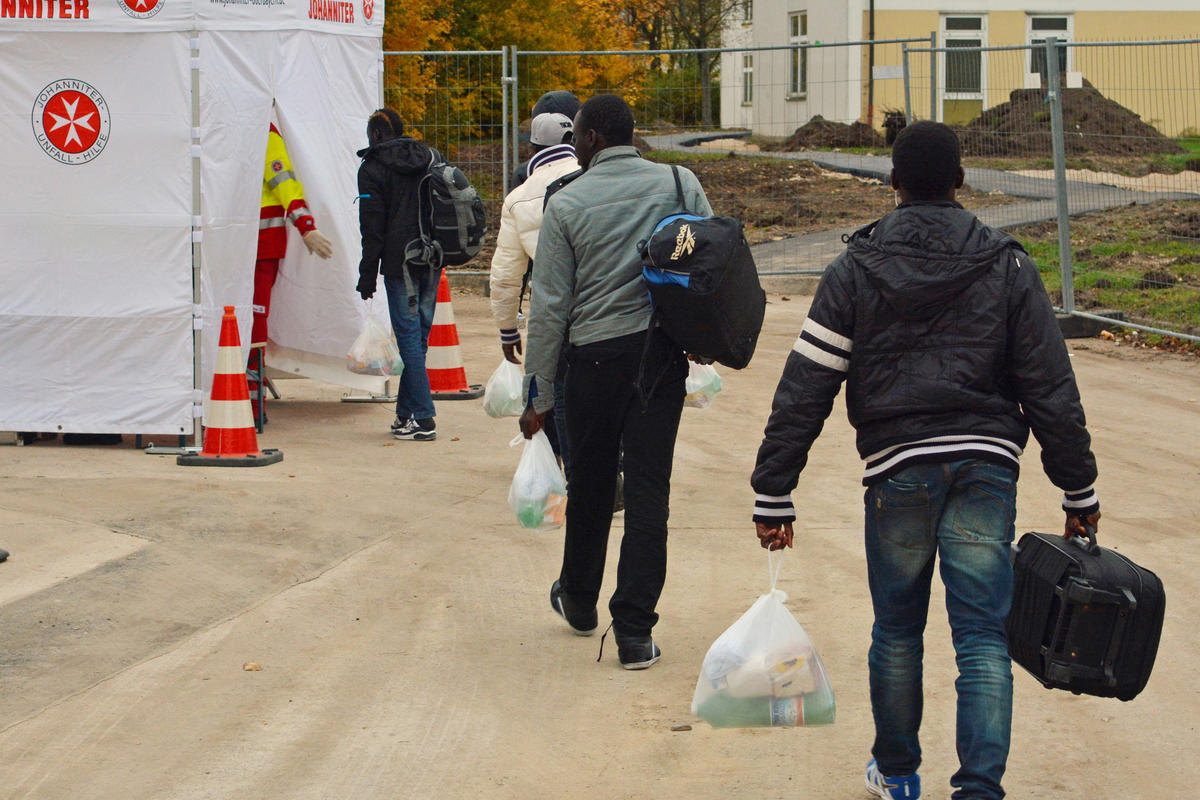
[{"x": 133, "y": 134}]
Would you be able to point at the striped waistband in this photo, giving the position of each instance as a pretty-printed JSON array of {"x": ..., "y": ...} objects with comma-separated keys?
[{"x": 939, "y": 448}]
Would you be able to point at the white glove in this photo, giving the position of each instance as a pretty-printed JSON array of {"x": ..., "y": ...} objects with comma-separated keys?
[{"x": 318, "y": 244}]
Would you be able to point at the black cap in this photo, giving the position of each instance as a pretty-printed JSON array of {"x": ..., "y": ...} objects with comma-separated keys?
[{"x": 559, "y": 101}]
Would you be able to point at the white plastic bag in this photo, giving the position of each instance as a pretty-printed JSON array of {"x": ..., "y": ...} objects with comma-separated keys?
[
  {"x": 374, "y": 352},
  {"x": 538, "y": 495},
  {"x": 502, "y": 396},
  {"x": 763, "y": 670},
  {"x": 702, "y": 385}
]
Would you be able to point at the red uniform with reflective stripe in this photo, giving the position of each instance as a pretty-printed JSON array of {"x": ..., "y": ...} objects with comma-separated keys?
[{"x": 282, "y": 201}]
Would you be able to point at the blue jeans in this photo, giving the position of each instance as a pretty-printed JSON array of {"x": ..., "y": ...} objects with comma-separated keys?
[
  {"x": 963, "y": 512},
  {"x": 411, "y": 326}
]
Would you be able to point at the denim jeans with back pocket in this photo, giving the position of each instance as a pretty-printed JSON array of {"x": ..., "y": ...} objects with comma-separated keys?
[{"x": 962, "y": 512}]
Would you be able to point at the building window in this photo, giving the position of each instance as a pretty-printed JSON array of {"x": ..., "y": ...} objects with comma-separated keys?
[
  {"x": 1041, "y": 28},
  {"x": 747, "y": 11},
  {"x": 798, "y": 68},
  {"x": 747, "y": 79},
  {"x": 964, "y": 73}
]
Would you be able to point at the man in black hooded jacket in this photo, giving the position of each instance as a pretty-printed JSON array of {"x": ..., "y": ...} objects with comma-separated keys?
[
  {"x": 951, "y": 352},
  {"x": 389, "y": 185}
]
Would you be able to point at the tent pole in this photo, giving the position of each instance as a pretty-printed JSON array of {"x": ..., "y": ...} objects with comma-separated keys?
[{"x": 197, "y": 231}]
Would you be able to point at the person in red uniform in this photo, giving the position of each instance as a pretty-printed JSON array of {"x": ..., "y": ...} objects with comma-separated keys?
[{"x": 282, "y": 202}]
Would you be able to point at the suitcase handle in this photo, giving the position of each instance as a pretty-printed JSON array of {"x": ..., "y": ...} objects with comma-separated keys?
[{"x": 1087, "y": 542}]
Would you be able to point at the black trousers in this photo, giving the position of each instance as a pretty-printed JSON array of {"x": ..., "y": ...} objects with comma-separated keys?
[{"x": 605, "y": 415}]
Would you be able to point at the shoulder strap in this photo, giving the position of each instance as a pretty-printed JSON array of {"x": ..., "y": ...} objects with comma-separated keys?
[
  {"x": 551, "y": 189},
  {"x": 639, "y": 383},
  {"x": 679, "y": 189}
]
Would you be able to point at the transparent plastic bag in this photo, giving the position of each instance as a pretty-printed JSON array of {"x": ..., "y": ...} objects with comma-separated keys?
[
  {"x": 538, "y": 495},
  {"x": 504, "y": 391},
  {"x": 764, "y": 671},
  {"x": 374, "y": 352},
  {"x": 702, "y": 385}
]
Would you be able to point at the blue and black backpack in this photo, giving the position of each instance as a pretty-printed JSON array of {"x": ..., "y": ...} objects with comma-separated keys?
[{"x": 704, "y": 285}]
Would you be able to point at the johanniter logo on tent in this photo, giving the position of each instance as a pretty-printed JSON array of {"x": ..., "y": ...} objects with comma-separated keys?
[
  {"x": 141, "y": 9},
  {"x": 70, "y": 121}
]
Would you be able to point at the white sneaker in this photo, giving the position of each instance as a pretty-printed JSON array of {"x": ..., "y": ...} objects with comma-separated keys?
[{"x": 413, "y": 432}]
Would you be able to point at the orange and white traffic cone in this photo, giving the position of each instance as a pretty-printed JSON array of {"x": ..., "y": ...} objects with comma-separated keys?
[
  {"x": 443, "y": 360},
  {"x": 229, "y": 438}
]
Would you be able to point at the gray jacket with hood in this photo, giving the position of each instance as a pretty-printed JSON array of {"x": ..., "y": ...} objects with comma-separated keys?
[{"x": 949, "y": 347}]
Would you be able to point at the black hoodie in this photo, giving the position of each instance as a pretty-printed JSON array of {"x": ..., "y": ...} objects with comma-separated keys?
[
  {"x": 388, "y": 182},
  {"x": 945, "y": 335}
]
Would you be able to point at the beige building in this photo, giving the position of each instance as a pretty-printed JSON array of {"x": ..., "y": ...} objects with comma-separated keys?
[{"x": 791, "y": 84}]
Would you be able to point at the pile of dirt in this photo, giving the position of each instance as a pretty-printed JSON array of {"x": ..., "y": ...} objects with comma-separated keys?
[
  {"x": 1179, "y": 221},
  {"x": 1092, "y": 123},
  {"x": 819, "y": 132}
]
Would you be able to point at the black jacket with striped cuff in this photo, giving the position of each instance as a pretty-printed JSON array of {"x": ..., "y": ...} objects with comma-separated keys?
[{"x": 950, "y": 350}]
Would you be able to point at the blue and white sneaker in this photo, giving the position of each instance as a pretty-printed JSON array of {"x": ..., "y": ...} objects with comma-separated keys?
[{"x": 901, "y": 787}]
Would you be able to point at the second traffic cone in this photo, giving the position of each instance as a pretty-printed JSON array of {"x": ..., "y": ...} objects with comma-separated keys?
[
  {"x": 229, "y": 438},
  {"x": 443, "y": 360}
]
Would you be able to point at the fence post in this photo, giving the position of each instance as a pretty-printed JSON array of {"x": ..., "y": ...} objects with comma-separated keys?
[
  {"x": 516, "y": 110},
  {"x": 505, "y": 83},
  {"x": 1060, "y": 174},
  {"x": 933, "y": 115},
  {"x": 908, "y": 117}
]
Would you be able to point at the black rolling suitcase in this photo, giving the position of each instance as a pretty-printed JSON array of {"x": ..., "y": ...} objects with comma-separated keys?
[{"x": 1084, "y": 618}]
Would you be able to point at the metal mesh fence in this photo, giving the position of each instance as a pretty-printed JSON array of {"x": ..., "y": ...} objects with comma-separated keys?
[
  {"x": 1121, "y": 164},
  {"x": 778, "y": 138},
  {"x": 456, "y": 101},
  {"x": 761, "y": 132},
  {"x": 804, "y": 169}
]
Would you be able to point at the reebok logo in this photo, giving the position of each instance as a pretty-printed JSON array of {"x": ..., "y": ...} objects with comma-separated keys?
[{"x": 685, "y": 242}]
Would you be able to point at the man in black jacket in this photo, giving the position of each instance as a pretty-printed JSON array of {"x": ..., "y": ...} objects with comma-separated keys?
[
  {"x": 389, "y": 181},
  {"x": 951, "y": 352}
]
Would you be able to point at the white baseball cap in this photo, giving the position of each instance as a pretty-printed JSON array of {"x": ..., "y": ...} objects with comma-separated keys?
[{"x": 549, "y": 129}]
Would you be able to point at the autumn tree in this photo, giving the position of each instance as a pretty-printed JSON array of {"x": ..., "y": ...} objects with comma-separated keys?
[
  {"x": 409, "y": 27},
  {"x": 698, "y": 25}
]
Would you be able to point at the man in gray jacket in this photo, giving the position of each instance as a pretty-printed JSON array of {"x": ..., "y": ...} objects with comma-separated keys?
[{"x": 588, "y": 282}]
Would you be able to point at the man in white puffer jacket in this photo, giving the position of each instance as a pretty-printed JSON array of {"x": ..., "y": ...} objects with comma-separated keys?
[{"x": 521, "y": 220}]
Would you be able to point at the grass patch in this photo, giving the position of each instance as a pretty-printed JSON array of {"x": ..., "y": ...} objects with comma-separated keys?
[{"x": 1126, "y": 260}]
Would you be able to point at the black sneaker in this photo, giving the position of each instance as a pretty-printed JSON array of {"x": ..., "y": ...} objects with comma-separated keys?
[
  {"x": 582, "y": 621},
  {"x": 3, "y": 555},
  {"x": 637, "y": 652},
  {"x": 413, "y": 431},
  {"x": 398, "y": 423}
]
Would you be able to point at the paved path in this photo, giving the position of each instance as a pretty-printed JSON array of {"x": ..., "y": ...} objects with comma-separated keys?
[
  {"x": 816, "y": 250},
  {"x": 408, "y": 649}
]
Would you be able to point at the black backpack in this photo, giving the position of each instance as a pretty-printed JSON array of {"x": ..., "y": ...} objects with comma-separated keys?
[
  {"x": 454, "y": 220},
  {"x": 704, "y": 285}
]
